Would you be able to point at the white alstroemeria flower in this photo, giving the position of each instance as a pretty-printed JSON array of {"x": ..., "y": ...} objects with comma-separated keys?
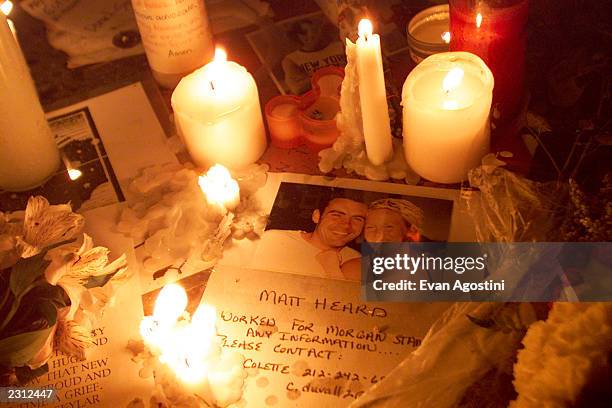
[
  {"x": 72, "y": 267},
  {"x": 45, "y": 225},
  {"x": 73, "y": 336}
]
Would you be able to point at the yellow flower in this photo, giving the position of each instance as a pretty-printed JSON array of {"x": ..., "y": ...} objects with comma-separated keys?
[{"x": 562, "y": 353}]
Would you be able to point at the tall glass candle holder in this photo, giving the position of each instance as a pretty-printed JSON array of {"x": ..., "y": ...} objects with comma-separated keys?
[
  {"x": 28, "y": 153},
  {"x": 176, "y": 37},
  {"x": 495, "y": 31}
]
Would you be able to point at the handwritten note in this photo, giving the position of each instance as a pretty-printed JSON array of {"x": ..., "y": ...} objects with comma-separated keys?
[{"x": 310, "y": 341}]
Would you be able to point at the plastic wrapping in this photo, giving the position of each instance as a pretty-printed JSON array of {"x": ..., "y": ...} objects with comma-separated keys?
[
  {"x": 467, "y": 354},
  {"x": 470, "y": 341},
  {"x": 510, "y": 208}
]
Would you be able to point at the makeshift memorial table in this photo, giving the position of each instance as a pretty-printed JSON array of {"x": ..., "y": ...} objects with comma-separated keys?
[{"x": 268, "y": 314}]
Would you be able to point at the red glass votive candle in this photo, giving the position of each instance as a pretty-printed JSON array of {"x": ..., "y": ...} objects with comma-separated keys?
[
  {"x": 495, "y": 31},
  {"x": 319, "y": 108},
  {"x": 282, "y": 115},
  {"x": 318, "y": 119}
]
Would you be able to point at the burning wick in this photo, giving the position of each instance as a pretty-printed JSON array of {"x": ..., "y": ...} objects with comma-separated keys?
[
  {"x": 74, "y": 174},
  {"x": 217, "y": 64},
  {"x": 451, "y": 81},
  {"x": 365, "y": 28},
  {"x": 446, "y": 37},
  {"x": 478, "y": 20},
  {"x": 6, "y": 9},
  {"x": 219, "y": 188}
]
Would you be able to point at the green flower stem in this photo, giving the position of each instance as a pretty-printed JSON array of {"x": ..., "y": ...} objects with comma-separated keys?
[{"x": 17, "y": 303}]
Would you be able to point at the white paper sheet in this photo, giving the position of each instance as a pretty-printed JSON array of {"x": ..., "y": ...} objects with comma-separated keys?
[
  {"x": 132, "y": 136},
  {"x": 308, "y": 343}
]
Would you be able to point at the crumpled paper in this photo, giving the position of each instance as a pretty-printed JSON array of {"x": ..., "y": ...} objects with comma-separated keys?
[
  {"x": 93, "y": 31},
  {"x": 89, "y": 31}
]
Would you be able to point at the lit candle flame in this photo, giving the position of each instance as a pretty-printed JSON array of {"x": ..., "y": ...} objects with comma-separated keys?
[
  {"x": 204, "y": 317},
  {"x": 191, "y": 349},
  {"x": 183, "y": 346},
  {"x": 7, "y": 7},
  {"x": 170, "y": 304},
  {"x": 203, "y": 326},
  {"x": 220, "y": 55},
  {"x": 452, "y": 79},
  {"x": 446, "y": 37},
  {"x": 216, "y": 67},
  {"x": 184, "y": 355},
  {"x": 74, "y": 174},
  {"x": 478, "y": 20},
  {"x": 365, "y": 28},
  {"x": 220, "y": 188}
]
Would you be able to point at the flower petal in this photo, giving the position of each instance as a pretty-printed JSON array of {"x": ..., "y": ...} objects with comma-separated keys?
[
  {"x": 46, "y": 224},
  {"x": 72, "y": 338},
  {"x": 74, "y": 290},
  {"x": 59, "y": 266}
]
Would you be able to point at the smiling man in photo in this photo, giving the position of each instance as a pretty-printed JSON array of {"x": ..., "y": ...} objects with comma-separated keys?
[{"x": 321, "y": 252}]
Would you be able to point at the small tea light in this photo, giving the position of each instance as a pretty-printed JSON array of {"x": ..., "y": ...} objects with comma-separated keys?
[
  {"x": 429, "y": 32},
  {"x": 283, "y": 122},
  {"x": 219, "y": 188},
  {"x": 308, "y": 119}
]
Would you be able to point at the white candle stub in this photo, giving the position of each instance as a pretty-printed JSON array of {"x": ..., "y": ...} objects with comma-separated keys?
[
  {"x": 191, "y": 351},
  {"x": 170, "y": 304},
  {"x": 219, "y": 188}
]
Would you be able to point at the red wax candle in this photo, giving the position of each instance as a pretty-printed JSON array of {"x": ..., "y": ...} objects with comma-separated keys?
[{"x": 495, "y": 31}]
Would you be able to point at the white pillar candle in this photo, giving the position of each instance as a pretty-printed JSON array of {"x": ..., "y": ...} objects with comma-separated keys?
[
  {"x": 446, "y": 100},
  {"x": 28, "y": 153},
  {"x": 373, "y": 96},
  {"x": 218, "y": 115}
]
